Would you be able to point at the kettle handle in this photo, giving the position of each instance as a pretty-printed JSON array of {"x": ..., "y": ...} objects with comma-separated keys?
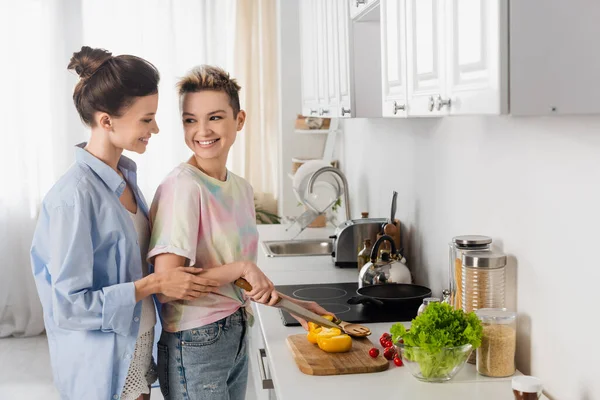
[{"x": 375, "y": 249}]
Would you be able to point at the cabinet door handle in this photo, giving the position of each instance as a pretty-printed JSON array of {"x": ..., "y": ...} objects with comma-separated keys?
[
  {"x": 399, "y": 107},
  {"x": 313, "y": 111},
  {"x": 266, "y": 383},
  {"x": 345, "y": 111},
  {"x": 359, "y": 2},
  {"x": 431, "y": 103},
  {"x": 323, "y": 111},
  {"x": 442, "y": 102}
]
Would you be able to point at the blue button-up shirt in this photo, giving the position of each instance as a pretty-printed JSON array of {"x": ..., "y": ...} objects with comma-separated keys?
[{"x": 85, "y": 257}]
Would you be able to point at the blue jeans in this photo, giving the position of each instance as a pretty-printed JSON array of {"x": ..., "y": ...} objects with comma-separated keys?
[{"x": 205, "y": 363}]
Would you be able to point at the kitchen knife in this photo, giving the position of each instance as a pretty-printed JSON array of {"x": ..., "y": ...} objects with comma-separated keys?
[{"x": 293, "y": 308}]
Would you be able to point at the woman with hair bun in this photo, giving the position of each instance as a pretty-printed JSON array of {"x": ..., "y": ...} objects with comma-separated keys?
[{"x": 89, "y": 248}]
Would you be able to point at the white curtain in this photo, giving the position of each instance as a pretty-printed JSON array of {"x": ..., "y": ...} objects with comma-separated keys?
[
  {"x": 256, "y": 155},
  {"x": 40, "y": 125}
]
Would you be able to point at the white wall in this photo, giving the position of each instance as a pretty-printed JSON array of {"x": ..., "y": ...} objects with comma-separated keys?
[{"x": 532, "y": 184}]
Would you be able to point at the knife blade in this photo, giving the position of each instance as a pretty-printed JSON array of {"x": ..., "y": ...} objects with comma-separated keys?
[
  {"x": 292, "y": 307},
  {"x": 302, "y": 312}
]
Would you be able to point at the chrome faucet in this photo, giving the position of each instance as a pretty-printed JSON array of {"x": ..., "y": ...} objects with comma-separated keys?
[{"x": 313, "y": 178}]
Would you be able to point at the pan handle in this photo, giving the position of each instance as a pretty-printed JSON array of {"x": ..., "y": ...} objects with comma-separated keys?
[{"x": 364, "y": 300}]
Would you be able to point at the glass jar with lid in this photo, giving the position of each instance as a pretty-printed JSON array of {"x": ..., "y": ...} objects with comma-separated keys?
[
  {"x": 483, "y": 280},
  {"x": 461, "y": 245},
  {"x": 496, "y": 355}
]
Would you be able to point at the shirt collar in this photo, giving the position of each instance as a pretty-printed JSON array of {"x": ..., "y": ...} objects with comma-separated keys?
[{"x": 108, "y": 175}]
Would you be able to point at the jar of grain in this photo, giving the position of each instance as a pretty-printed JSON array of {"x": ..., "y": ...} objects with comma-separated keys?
[
  {"x": 483, "y": 280},
  {"x": 461, "y": 245},
  {"x": 496, "y": 355}
]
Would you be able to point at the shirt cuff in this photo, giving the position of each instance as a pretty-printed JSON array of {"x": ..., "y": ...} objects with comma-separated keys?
[
  {"x": 189, "y": 254},
  {"x": 118, "y": 308}
]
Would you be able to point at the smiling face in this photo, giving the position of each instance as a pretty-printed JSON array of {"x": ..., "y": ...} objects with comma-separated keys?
[
  {"x": 210, "y": 125},
  {"x": 132, "y": 130}
]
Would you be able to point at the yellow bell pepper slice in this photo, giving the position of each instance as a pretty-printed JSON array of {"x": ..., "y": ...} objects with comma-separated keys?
[
  {"x": 334, "y": 344},
  {"x": 329, "y": 332},
  {"x": 312, "y": 335},
  {"x": 312, "y": 325}
]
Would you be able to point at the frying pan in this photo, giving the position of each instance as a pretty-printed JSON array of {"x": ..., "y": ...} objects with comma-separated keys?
[{"x": 403, "y": 296}]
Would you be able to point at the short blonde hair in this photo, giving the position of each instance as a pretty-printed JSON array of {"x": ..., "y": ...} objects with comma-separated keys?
[{"x": 210, "y": 77}]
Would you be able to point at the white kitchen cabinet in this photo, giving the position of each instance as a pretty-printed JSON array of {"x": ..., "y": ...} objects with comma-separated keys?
[
  {"x": 308, "y": 56},
  {"x": 425, "y": 56},
  {"x": 476, "y": 57},
  {"x": 344, "y": 39},
  {"x": 393, "y": 57},
  {"x": 341, "y": 59},
  {"x": 258, "y": 364},
  {"x": 330, "y": 108},
  {"x": 320, "y": 46},
  {"x": 455, "y": 57},
  {"x": 319, "y": 71},
  {"x": 325, "y": 39}
]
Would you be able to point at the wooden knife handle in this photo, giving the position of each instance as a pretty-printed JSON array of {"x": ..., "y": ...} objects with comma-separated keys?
[{"x": 244, "y": 284}]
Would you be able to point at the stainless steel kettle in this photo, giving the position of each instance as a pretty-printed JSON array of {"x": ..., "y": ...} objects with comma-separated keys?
[{"x": 390, "y": 269}]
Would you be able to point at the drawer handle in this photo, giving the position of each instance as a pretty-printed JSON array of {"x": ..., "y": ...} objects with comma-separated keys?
[
  {"x": 359, "y": 2},
  {"x": 431, "y": 103},
  {"x": 323, "y": 111},
  {"x": 266, "y": 383},
  {"x": 442, "y": 102},
  {"x": 313, "y": 111},
  {"x": 345, "y": 111},
  {"x": 399, "y": 107}
]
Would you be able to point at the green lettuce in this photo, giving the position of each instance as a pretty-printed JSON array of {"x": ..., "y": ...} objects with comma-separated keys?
[{"x": 440, "y": 326}]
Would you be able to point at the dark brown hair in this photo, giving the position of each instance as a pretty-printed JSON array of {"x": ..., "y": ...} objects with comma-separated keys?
[
  {"x": 209, "y": 77},
  {"x": 110, "y": 84}
]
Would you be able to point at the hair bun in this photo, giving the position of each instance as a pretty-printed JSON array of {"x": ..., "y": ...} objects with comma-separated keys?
[{"x": 86, "y": 61}]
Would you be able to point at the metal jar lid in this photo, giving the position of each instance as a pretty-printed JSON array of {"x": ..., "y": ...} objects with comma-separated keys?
[
  {"x": 484, "y": 259},
  {"x": 471, "y": 240},
  {"x": 496, "y": 315},
  {"x": 429, "y": 300}
]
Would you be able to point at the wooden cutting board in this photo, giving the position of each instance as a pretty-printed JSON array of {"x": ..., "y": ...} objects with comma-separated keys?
[{"x": 313, "y": 361}]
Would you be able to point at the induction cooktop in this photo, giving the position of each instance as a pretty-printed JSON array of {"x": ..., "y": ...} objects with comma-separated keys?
[{"x": 334, "y": 298}]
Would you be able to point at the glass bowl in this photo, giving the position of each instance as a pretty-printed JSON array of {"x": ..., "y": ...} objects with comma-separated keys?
[{"x": 435, "y": 367}]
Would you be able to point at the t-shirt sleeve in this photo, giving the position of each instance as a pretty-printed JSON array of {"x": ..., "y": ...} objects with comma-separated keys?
[{"x": 175, "y": 218}]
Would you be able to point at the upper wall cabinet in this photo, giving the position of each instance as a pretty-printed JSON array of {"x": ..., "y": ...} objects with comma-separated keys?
[
  {"x": 428, "y": 58},
  {"x": 334, "y": 51},
  {"x": 325, "y": 69},
  {"x": 452, "y": 57},
  {"x": 443, "y": 57},
  {"x": 393, "y": 63},
  {"x": 554, "y": 57},
  {"x": 309, "y": 72}
]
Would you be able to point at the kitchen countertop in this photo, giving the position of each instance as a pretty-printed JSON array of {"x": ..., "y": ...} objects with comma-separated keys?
[{"x": 291, "y": 384}]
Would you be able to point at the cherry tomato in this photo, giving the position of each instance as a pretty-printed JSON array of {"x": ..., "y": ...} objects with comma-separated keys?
[
  {"x": 386, "y": 335},
  {"x": 383, "y": 341},
  {"x": 388, "y": 343},
  {"x": 374, "y": 352},
  {"x": 398, "y": 361},
  {"x": 389, "y": 353}
]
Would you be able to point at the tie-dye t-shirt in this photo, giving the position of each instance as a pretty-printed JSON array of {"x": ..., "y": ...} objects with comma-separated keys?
[{"x": 211, "y": 223}]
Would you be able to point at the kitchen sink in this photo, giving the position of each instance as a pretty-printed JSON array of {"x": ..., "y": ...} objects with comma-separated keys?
[{"x": 298, "y": 248}]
